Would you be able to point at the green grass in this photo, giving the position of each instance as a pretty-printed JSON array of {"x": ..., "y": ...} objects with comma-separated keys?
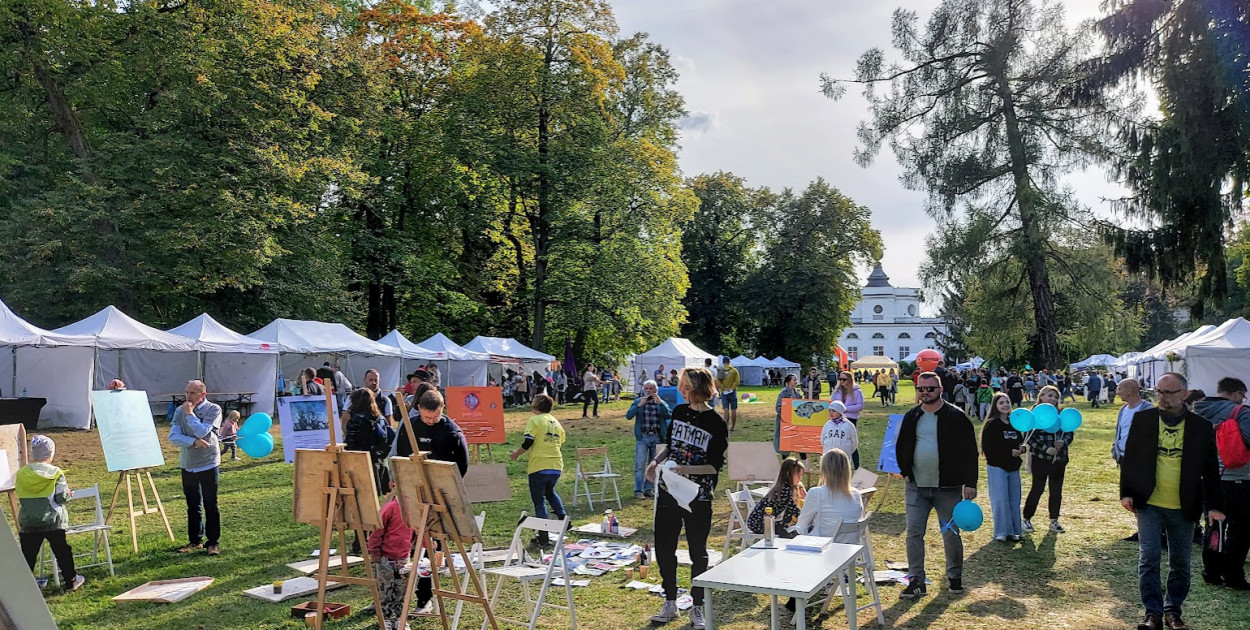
[{"x": 1085, "y": 578}]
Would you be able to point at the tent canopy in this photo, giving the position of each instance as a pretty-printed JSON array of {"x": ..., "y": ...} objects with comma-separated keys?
[
  {"x": 115, "y": 330},
  {"x": 1097, "y": 360},
  {"x": 210, "y": 336},
  {"x": 507, "y": 348},
  {"x": 783, "y": 362},
  {"x": 49, "y": 365},
  {"x": 232, "y": 362},
  {"x": 309, "y": 337},
  {"x": 407, "y": 348},
  {"x": 874, "y": 362},
  {"x": 674, "y": 353},
  {"x": 448, "y": 349}
]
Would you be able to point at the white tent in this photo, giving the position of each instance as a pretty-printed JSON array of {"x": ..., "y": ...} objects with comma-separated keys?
[
  {"x": 144, "y": 357},
  {"x": 787, "y": 366},
  {"x": 460, "y": 367},
  {"x": 509, "y": 348},
  {"x": 47, "y": 365},
  {"x": 1222, "y": 352},
  {"x": 674, "y": 354},
  {"x": 1155, "y": 362},
  {"x": 750, "y": 370},
  {"x": 232, "y": 362},
  {"x": 414, "y": 356},
  {"x": 972, "y": 364},
  {"x": 303, "y": 343},
  {"x": 1097, "y": 360}
]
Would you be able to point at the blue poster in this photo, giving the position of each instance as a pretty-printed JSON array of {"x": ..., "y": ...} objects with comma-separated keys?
[
  {"x": 127, "y": 431},
  {"x": 887, "y": 461},
  {"x": 670, "y": 395}
]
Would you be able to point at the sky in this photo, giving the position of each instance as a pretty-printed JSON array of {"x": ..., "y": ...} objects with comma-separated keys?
[{"x": 750, "y": 74}]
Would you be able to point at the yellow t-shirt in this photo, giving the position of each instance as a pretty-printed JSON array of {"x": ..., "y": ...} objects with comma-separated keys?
[
  {"x": 1167, "y": 493},
  {"x": 548, "y": 438}
]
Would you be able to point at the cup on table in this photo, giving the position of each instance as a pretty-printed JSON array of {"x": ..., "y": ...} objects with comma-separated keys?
[{"x": 629, "y": 573}]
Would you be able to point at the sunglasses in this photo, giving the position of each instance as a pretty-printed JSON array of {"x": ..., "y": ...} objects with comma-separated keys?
[
  {"x": 928, "y": 388},
  {"x": 843, "y": 378}
]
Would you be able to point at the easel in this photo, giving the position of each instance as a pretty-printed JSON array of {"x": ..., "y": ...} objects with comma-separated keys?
[
  {"x": 475, "y": 454},
  {"x": 138, "y": 474},
  {"x": 14, "y": 436},
  {"x": 436, "y": 507},
  {"x": 339, "y": 509}
]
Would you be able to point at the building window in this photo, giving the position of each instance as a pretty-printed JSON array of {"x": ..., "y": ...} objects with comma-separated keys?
[
  {"x": 878, "y": 336},
  {"x": 930, "y": 336},
  {"x": 904, "y": 336},
  {"x": 853, "y": 352},
  {"x": 852, "y": 336},
  {"x": 878, "y": 351},
  {"x": 877, "y": 309},
  {"x": 903, "y": 351},
  {"x": 911, "y": 310}
]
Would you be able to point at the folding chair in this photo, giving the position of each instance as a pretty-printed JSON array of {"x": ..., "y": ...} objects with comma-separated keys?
[
  {"x": 517, "y": 566},
  {"x": 585, "y": 474},
  {"x": 865, "y": 563},
  {"x": 98, "y": 528},
  {"x": 741, "y": 503}
]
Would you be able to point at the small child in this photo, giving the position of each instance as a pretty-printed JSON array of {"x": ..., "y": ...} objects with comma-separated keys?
[
  {"x": 838, "y": 432},
  {"x": 785, "y": 498},
  {"x": 390, "y": 547},
  {"x": 229, "y": 433},
  {"x": 43, "y": 492}
]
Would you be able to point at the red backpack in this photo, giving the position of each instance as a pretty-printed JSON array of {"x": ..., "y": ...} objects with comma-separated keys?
[{"x": 1229, "y": 443}]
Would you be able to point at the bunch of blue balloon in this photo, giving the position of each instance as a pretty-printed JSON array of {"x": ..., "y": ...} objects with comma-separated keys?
[
  {"x": 253, "y": 437},
  {"x": 1045, "y": 417}
]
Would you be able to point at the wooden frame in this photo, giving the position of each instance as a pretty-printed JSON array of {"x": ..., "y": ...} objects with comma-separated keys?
[
  {"x": 138, "y": 475},
  {"x": 14, "y": 436}
]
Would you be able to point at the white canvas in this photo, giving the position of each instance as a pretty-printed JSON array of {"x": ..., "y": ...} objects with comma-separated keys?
[{"x": 127, "y": 432}]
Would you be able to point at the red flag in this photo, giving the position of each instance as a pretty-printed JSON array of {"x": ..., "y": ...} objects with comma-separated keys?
[{"x": 844, "y": 359}]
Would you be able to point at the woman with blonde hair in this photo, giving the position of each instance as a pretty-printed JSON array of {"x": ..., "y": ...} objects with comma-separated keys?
[
  {"x": 1049, "y": 461},
  {"x": 831, "y": 503}
]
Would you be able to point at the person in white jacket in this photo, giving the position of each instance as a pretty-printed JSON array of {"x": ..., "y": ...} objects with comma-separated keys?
[
  {"x": 839, "y": 432},
  {"x": 831, "y": 503}
]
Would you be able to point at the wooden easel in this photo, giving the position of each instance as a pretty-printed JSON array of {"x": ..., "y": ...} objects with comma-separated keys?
[
  {"x": 338, "y": 497},
  {"x": 436, "y": 507},
  {"x": 475, "y": 454},
  {"x": 13, "y": 436},
  {"x": 138, "y": 474}
]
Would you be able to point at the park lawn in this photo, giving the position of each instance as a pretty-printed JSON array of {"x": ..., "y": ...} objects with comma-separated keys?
[{"x": 1085, "y": 578}]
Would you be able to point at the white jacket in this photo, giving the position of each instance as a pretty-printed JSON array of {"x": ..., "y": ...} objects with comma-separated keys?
[{"x": 841, "y": 435}]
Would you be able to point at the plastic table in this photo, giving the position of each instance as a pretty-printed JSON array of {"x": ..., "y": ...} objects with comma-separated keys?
[{"x": 781, "y": 573}]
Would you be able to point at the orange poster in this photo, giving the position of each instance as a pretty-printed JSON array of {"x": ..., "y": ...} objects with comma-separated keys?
[
  {"x": 479, "y": 412},
  {"x": 801, "y": 422}
]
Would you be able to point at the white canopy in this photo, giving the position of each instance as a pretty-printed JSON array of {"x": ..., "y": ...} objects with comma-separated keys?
[
  {"x": 508, "y": 348},
  {"x": 303, "y": 343},
  {"x": 144, "y": 357},
  {"x": 674, "y": 354},
  {"x": 460, "y": 367},
  {"x": 972, "y": 364},
  {"x": 1097, "y": 360},
  {"x": 232, "y": 362},
  {"x": 49, "y": 365},
  {"x": 1222, "y": 352},
  {"x": 783, "y": 362},
  {"x": 751, "y": 370}
]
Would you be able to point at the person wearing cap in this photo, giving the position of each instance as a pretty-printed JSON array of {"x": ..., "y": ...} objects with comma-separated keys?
[
  {"x": 42, "y": 492},
  {"x": 193, "y": 430},
  {"x": 838, "y": 432}
]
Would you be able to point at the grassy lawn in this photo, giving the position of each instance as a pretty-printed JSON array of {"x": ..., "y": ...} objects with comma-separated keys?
[{"x": 1085, "y": 578}]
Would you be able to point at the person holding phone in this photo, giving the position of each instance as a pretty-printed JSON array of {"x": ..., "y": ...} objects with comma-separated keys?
[{"x": 651, "y": 416}]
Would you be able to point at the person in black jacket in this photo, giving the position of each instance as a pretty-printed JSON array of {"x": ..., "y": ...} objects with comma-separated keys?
[
  {"x": 1168, "y": 472},
  {"x": 1003, "y": 446},
  {"x": 937, "y": 455}
]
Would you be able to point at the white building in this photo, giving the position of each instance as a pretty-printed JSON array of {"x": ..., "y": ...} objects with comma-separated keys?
[{"x": 887, "y": 321}]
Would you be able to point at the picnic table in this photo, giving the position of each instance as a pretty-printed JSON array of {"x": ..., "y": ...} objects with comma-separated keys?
[{"x": 229, "y": 401}]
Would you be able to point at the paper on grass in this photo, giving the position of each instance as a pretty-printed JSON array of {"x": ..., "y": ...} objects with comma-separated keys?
[{"x": 682, "y": 489}]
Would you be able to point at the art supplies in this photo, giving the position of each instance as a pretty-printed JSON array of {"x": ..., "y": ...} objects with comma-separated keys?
[{"x": 808, "y": 544}]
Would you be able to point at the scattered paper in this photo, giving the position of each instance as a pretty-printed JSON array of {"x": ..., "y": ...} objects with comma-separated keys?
[
  {"x": 316, "y": 553},
  {"x": 291, "y": 588},
  {"x": 896, "y": 565},
  {"x": 887, "y": 577},
  {"x": 683, "y": 557},
  {"x": 641, "y": 586},
  {"x": 685, "y": 602},
  {"x": 560, "y": 582},
  {"x": 585, "y": 570}
]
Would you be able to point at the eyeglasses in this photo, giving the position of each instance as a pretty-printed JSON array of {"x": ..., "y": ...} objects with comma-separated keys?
[
  {"x": 1170, "y": 392},
  {"x": 928, "y": 388}
]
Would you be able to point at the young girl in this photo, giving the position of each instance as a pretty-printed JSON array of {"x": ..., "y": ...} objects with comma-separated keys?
[
  {"x": 543, "y": 438},
  {"x": 1003, "y": 446},
  {"x": 831, "y": 503},
  {"x": 697, "y": 436},
  {"x": 389, "y": 548},
  {"x": 789, "y": 391},
  {"x": 1050, "y": 460},
  {"x": 838, "y": 432},
  {"x": 229, "y": 431},
  {"x": 850, "y": 395},
  {"x": 784, "y": 498}
]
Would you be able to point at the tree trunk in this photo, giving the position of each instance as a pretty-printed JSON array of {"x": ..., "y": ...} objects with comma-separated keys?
[{"x": 540, "y": 224}]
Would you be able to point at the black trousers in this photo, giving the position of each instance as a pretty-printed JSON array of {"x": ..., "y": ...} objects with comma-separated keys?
[
  {"x": 590, "y": 397},
  {"x": 201, "y": 488},
  {"x": 1230, "y": 564},
  {"x": 32, "y": 541},
  {"x": 1044, "y": 473},
  {"x": 670, "y": 517}
]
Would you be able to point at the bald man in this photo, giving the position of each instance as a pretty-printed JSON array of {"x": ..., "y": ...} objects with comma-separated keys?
[
  {"x": 1130, "y": 392},
  {"x": 193, "y": 429}
]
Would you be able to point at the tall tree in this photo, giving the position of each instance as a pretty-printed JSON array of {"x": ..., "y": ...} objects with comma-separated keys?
[
  {"x": 979, "y": 114},
  {"x": 1187, "y": 169}
]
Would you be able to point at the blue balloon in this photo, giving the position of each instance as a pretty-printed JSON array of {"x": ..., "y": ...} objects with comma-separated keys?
[
  {"x": 1045, "y": 417},
  {"x": 968, "y": 516},
  {"x": 256, "y": 423},
  {"x": 1022, "y": 419},
  {"x": 258, "y": 445},
  {"x": 1070, "y": 419}
]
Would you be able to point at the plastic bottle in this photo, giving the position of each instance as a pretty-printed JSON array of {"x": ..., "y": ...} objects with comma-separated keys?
[
  {"x": 606, "y": 527},
  {"x": 23, "y": 392},
  {"x": 616, "y": 526},
  {"x": 769, "y": 527}
]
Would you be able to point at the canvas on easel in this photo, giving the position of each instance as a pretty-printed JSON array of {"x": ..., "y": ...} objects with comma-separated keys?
[
  {"x": 335, "y": 491},
  {"x": 753, "y": 462},
  {"x": 131, "y": 449},
  {"x": 14, "y": 450}
]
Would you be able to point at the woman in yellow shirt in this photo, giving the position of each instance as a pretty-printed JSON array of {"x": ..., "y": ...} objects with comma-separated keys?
[{"x": 543, "y": 438}]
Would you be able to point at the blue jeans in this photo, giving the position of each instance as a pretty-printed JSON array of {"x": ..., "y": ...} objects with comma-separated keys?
[
  {"x": 1005, "y": 501},
  {"x": 543, "y": 486},
  {"x": 644, "y": 451},
  {"x": 1151, "y": 523}
]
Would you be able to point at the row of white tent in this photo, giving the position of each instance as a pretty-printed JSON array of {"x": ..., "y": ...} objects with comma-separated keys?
[
  {"x": 1204, "y": 355},
  {"x": 65, "y": 364},
  {"x": 676, "y": 353}
]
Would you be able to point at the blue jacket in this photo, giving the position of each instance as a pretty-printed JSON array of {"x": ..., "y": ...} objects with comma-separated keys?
[{"x": 666, "y": 418}]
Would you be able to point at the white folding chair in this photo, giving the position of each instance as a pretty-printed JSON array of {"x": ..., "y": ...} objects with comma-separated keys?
[
  {"x": 864, "y": 563},
  {"x": 517, "y": 566},
  {"x": 741, "y": 503},
  {"x": 586, "y": 473},
  {"x": 97, "y": 527},
  {"x": 477, "y": 562}
]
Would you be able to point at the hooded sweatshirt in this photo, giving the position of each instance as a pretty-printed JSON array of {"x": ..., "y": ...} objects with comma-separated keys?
[
  {"x": 1217, "y": 410},
  {"x": 42, "y": 492},
  {"x": 444, "y": 441}
]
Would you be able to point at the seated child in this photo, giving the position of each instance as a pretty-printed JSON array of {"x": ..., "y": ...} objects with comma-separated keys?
[
  {"x": 229, "y": 434},
  {"x": 389, "y": 548},
  {"x": 43, "y": 492},
  {"x": 785, "y": 498}
]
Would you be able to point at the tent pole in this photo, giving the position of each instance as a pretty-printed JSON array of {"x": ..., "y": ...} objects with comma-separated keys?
[{"x": 14, "y": 390}]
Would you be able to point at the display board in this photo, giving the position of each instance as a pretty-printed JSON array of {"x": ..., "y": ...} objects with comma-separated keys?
[
  {"x": 887, "y": 461},
  {"x": 801, "y": 422},
  {"x": 22, "y": 606},
  {"x": 12, "y": 453},
  {"x": 479, "y": 413},
  {"x": 486, "y": 483},
  {"x": 753, "y": 461},
  {"x": 303, "y": 422},
  {"x": 312, "y": 470},
  {"x": 127, "y": 431}
]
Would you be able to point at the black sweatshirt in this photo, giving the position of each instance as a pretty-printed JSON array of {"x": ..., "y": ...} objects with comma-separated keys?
[
  {"x": 696, "y": 438},
  {"x": 444, "y": 441},
  {"x": 998, "y": 439}
]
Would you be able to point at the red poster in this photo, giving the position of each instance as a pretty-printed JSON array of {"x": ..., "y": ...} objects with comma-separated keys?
[
  {"x": 801, "y": 422},
  {"x": 479, "y": 412}
]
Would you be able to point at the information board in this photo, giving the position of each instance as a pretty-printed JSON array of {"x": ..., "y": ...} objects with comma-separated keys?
[
  {"x": 801, "y": 422},
  {"x": 479, "y": 412},
  {"x": 127, "y": 431}
]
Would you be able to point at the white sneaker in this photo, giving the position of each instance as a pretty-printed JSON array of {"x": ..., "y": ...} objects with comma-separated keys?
[
  {"x": 1000, "y": 538},
  {"x": 1028, "y": 526},
  {"x": 668, "y": 612},
  {"x": 1056, "y": 527},
  {"x": 696, "y": 618}
]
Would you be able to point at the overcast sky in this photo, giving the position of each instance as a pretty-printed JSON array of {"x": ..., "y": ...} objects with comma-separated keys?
[{"x": 750, "y": 76}]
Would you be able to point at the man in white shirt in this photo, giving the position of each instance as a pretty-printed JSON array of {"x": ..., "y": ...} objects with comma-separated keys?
[{"x": 1129, "y": 390}]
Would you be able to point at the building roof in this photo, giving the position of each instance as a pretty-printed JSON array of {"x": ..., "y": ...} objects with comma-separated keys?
[{"x": 877, "y": 278}]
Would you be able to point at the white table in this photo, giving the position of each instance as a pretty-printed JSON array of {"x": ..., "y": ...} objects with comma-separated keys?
[{"x": 778, "y": 573}]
